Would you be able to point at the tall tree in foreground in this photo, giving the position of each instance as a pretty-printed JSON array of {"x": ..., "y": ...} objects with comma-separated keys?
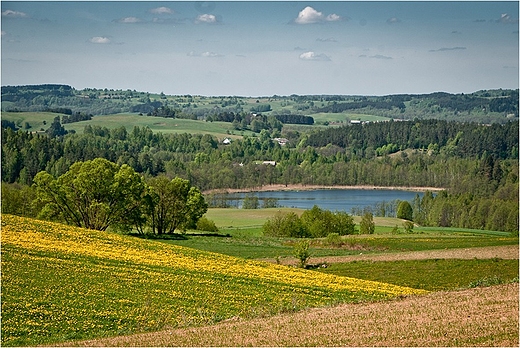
[{"x": 94, "y": 194}]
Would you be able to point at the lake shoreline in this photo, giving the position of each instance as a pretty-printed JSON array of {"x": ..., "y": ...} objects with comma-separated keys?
[{"x": 300, "y": 187}]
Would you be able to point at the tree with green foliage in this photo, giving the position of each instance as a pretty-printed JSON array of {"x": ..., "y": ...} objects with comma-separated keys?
[
  {"x": 367, "y": 225},
  {"x": 301, "y": 252},
  {"x": 93, "y": 194},
  {"x": 405, "y": 211},
  {"x": 173, "y": 204}
]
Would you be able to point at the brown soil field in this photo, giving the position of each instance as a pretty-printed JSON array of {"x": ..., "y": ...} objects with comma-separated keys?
[
  {"x": 474, "y": 317},
  {"x": 502, "y": 252}
]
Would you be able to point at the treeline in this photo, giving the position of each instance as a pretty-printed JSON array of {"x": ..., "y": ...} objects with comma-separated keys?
[
  {"x": 459, "y": 139},
  {"x": 295, "y": 119}
]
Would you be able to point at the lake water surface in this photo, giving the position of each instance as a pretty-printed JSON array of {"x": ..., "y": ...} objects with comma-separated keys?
[{"x": 331, "y": 199}]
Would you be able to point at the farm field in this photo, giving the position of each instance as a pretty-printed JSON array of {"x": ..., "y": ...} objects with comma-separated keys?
[
  {"x": 36, "y": 120},
  {"x": 477, "y": 317},
  {"x": 241, "y": 235},
  {"x": 75, "y": 286},
  {"x": 61, "y": 283}
]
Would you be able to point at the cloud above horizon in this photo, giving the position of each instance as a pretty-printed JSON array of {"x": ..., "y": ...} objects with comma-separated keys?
[
  {"x": 14, "y": 14},
  {"x": 313, "y": 56},
  {"x": 310, "y": 16},
  {"x": 129, "y": 20},
  {"x": 206, "y": 54},
  {"x": 206, "y": 18},
  {"x": 443, "y": 49},
  {"x": 99, "y": 40},
  {"x": 161, "y": 10}
]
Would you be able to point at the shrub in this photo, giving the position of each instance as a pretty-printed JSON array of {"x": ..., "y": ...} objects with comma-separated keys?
[
  {"x": 333, "y": 239},
  {"x": 205, "y": 224},
  {"x": 301, "y": 252},
  {"x": 408, "y": 226},
  {"x": 405, "y": 211},
  {"x": 367, "y": 225}
]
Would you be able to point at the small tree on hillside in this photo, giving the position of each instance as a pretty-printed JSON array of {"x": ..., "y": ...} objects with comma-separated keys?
[
  {"x": 405, "y": 211},
  {"x": 367, "y": 225}
]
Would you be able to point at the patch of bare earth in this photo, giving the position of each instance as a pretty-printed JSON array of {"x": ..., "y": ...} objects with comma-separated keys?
[
  {"x": 502, "y": 252},
  {"x": 473, "y": 317}
]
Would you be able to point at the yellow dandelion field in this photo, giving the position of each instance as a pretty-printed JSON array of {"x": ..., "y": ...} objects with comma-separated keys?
[{"x": 61, "y": 283}]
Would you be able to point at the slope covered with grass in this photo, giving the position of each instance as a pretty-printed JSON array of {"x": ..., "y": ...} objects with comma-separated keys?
[{"x": 62, "y": 283}]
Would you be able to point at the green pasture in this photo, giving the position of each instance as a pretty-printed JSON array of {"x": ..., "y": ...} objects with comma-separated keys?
[
  {"x": 35, "y": 120},
  {"x": 159, "y": 124},
  {"x": 432, "y": 275},
  {"x": 343, "y": 116},
  {"x": 240, "y": 234}
]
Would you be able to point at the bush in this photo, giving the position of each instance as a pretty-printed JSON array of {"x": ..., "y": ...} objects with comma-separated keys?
[
  {"x": 333, "y": 239},
  {"x": 405, "y": 211},
  {"x": 408, "y": 226},
  {"x": 367, "y": 225},
  {"x": 301, "y": 252},
  {"x": 205, "y": 224}
]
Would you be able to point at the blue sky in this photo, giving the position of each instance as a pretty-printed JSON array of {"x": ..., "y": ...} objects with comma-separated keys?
[{"x": 261, "y": 48}]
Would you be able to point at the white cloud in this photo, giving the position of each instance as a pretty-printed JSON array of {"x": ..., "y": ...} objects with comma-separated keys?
[
  {"x": 4, "y": 33},
  {"x": 100, "y": 40},
  {"x": 329, "y": 39},
  {"x": 206, "y": 54},
  {"x": 130, "y": 20},
  {"x": 333, "y": 18},
  {"x": 443, "y": 49},
  {"x": 309, "y": 16},
  {"x": 206, "y": 18},
  {"x": 161, "y": 10},
  {"x": 393, "y": 20},
  {"x": 314, "y": 56},
  {"x": 14, "y": 14}
]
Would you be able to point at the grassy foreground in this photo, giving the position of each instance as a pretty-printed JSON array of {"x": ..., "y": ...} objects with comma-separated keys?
[{"x": 61, "y": 283}]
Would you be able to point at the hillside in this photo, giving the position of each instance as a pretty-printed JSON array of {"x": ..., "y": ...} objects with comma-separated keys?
[
  {"x": 61, "y": 283},
  {"x": 487, "y": 106}
]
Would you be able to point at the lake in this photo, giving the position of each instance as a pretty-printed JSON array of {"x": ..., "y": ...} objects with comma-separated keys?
[{"x": 330, "y": 199}]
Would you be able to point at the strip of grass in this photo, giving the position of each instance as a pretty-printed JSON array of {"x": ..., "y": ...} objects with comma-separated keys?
[
  {"x": 431, "y": 275},
  {"x": 249, "y": 243}
]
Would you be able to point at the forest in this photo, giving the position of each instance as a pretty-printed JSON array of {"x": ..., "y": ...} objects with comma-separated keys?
[{"x": 476, "y": 164}]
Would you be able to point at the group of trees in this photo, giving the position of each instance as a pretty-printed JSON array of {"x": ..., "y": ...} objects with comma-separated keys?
[
  {"x": 99, "y": 194},
  {"x": 313, "y": 223}
]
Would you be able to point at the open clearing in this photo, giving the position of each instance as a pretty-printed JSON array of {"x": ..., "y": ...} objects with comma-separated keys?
[{"x": 476, "y": 317}]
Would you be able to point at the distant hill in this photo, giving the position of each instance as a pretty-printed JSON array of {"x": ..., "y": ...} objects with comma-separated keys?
[{"x": 486, "y": 106}]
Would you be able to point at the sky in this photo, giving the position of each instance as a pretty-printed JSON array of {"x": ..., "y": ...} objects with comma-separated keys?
[{"x": 261, "y": 48}]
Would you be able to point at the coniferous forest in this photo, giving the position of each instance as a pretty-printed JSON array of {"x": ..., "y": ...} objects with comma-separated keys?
[{"x": 466, "y": 144}]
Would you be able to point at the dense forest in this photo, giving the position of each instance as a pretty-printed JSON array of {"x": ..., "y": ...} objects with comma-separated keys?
[{"x": 476, "y": 164}]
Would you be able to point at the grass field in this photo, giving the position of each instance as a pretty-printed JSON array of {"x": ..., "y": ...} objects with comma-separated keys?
[
  {"x": 241, "y": 236},
  {"x": 35, "y": 120},
  {"x": 61, "y": 283}
]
